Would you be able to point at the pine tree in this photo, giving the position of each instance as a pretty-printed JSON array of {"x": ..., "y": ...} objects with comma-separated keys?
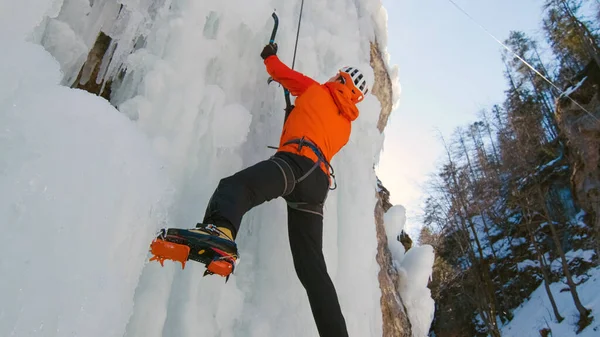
[
  {"x": 571, "y": 38},
  {"x": 532, "y": 88}
]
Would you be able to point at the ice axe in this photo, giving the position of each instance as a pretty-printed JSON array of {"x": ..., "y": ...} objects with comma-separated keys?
[{"x": 273, "y": 34}]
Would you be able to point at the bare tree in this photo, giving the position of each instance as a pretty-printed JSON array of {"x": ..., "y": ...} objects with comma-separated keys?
[{"x": 584, "y": 313}]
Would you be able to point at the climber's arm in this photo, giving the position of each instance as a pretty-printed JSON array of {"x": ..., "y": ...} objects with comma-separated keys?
[{"x": 292, "y": 80}]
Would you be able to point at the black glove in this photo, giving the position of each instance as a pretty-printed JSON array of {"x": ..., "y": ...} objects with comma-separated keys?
[{"x": 270, "y": 49}]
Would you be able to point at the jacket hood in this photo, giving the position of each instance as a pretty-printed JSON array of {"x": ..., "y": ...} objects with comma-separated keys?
[{"x": 342, "y": 97}]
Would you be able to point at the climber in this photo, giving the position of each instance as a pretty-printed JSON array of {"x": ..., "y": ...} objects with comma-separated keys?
[{"x": 317, "y": 128}]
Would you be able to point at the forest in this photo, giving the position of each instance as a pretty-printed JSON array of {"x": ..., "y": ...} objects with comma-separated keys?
[{"x": 515, "y": 204}]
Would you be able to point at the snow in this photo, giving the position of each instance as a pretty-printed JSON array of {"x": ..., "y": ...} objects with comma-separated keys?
[
  {"x": 521, "y": 266},
  {"x": 550, "y": 163},
  {"x": 585, "y": 255},
  {"x": 574, "y": 88},
  {"x": 501, "y": 247},
  {"x": 536, "y": 314},
  {"x": 518, "y": 241},
  {"x": 578, "y": 219},
  {"x": 85, "y": 186}
]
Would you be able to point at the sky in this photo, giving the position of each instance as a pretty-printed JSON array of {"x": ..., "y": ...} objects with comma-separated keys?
[{"x": 449, "y": 69}]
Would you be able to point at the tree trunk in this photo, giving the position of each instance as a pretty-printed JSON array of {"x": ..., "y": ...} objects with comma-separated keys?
[
  {"x": 464, "y": 147},
  {"x": 547, "y": 112},
  {"x": 541, "y": 260},
  {"x": 512, "y": 82},
  {"x": 550, "y": 89},
  {"x": 583, "y": 312},
  {"x": 484, "y": 301},
  {"x": 482, "y": 155}
]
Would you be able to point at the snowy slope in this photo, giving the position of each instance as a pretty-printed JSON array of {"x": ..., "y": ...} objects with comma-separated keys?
[
  {"x": 536, "y": 314},
  {"x": 87, "y": 187}
]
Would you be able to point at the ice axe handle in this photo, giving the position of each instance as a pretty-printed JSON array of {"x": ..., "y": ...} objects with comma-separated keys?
[
  {"x": 275, "y": 26},
  {"x": 273, "y": 34}
]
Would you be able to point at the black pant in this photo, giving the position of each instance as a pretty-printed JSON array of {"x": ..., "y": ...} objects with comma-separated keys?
[{"x": 267, "y": 180}]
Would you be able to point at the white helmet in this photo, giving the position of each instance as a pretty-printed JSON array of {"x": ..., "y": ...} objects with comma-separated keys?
[{"x": 358, "y": 79}]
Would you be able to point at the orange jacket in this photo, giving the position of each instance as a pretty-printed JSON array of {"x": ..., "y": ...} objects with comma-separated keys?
[{"x": 322, "y": 114}]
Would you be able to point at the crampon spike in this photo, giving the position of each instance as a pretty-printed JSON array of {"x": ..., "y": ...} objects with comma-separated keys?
[
  {"x": 221, "y": 267},
  {"x": 164, "y": 250}
]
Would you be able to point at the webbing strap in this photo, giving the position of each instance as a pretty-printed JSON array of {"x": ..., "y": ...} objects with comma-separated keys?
[
  {"x": 321, "y": 158},
  {"x": 306, "y": 207},
  {"x": 308, "y": 172},
  {"x": 288, "y": 175},
  {"x": 290, "y": 184}
]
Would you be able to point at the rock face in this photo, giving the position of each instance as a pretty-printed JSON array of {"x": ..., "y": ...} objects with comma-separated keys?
[
  {"x": 405, "y": 240},
  {"x": 395, "y": 319},
  {"x": 92, "y": 65},
  {"x": 581, "y": 129},
  {"x": 382, "y": 88},
  {"x": 384, "y": 196}
]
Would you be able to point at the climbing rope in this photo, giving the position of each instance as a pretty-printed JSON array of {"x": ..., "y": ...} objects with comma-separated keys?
[
  {"x": 522, "y": 60},
  {"x": 298, "y": 33},
  {"x": 288, "y": 102}
]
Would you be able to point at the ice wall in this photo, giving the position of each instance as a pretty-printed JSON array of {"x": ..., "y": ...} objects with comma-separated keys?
[
  {"x": 81, "y": 192},
  {"x": 188, "y": 76}
]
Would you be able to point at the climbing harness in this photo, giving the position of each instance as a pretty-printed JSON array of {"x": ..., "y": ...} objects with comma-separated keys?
[
  {"x": 321, "y": 159},
  {"x": 290, "y": 180},
  {"x": 522, "y": 60}
]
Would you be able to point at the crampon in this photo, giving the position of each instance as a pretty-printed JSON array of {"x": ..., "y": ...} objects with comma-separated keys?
[{"x": 181, "y": 245}]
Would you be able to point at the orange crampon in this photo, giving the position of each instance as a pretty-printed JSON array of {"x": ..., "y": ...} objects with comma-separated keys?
[
  {"x": 218, "y": 255},
  {"x": 165, "y": 250},
  {"x": 222, "y": 266}
]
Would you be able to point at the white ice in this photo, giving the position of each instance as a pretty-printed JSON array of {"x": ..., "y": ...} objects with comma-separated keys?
[
  {"x": 81, "y": 194},
  {"x": 395, "y": 220},
  {"x": 415, "y": 268}
]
